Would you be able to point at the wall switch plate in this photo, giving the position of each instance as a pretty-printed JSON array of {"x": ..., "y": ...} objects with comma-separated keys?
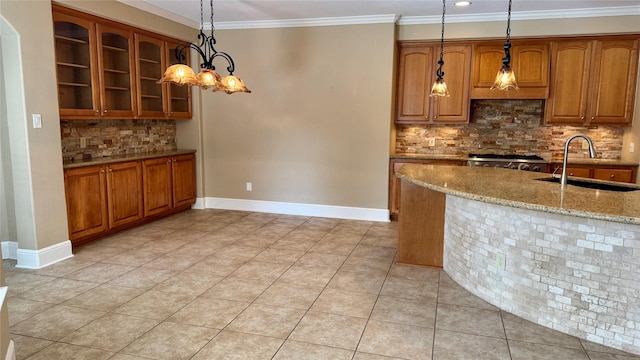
[
  {"x": 37, "y": 121},
  {"x": 632, "y": 147},
  {"x": 501, "y": 261},
  {"x": 249, "y": 186},
  {"x": 585, "y": 145}
]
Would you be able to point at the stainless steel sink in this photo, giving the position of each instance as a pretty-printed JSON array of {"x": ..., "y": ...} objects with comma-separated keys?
[{"x": 594, "y": 184}]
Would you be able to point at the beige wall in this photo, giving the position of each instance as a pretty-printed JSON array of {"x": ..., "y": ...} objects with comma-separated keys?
[{"x": 315, "y": 130}]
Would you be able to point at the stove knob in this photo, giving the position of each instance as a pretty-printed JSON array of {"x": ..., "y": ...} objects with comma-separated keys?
[
  {"x": 536, "y": 168},
  {"x": 525, "y": 167},
  {"x": 513, "y": 166},
  {"x": 486, "y": 165}
]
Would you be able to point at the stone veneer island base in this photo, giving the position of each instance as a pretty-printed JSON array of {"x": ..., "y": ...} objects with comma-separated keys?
[{"x": 572, "y": 255}]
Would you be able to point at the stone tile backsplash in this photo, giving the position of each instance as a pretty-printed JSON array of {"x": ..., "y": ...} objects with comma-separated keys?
[
  {"x": 116, "y": 137},
  {"x": 506, "y": 126}
]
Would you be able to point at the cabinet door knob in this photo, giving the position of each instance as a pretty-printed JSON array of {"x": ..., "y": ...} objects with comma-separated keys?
[
  {"x": 106, "y": 111},
  {"x": 593, "y": 118},
  {"x": 102, "y": 171},
  {"x": 570, "y": 174},
  {"x": 435, "y": 117},
  {"x": 97, "y": 111},
  {"x": 612, "y": 176},
  {"x": 110, "y": 170},
  {"x": 582, "y": 118}
]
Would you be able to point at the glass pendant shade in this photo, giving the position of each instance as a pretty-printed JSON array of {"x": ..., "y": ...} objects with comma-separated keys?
[
  {"x": 439, "y": 89},
  {"x": 179, "y": 74},
  {"x": 208, "y": 79},
  {"x": 505, "y": 80},
  {"x": 231, "y": 84}
]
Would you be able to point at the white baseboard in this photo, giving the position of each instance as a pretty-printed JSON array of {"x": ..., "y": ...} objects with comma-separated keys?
[
  {"x": 11, "y": 351},
  {"x": 37, "y": 259},
  {"x": 339, "y": 212},
  {"x": 199, "y": 205},
  {"x": 9, "y": 249}
]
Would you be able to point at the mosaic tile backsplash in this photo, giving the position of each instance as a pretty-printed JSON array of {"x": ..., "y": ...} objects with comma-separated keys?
[
  {"x": 115, "y": 137},
  {"x": 506, "y": 126}
]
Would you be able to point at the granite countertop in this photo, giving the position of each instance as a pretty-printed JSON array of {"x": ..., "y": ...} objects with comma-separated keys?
[
  {"x": 521, "y": 189},
  {"x": 571, "y": 160},
  {"x": 121, "y": 158}
]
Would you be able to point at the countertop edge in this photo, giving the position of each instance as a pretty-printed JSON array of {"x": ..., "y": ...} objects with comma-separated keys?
[
  {"x": 123, "y": 158},
  {"x": 570, "y": 161},
  {"x": 522, "y": 205}
]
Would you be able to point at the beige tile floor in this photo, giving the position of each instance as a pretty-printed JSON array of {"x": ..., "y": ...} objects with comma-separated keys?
[{"x": 212, "y": 284}]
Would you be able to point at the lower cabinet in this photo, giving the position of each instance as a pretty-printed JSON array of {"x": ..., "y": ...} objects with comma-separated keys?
[
  {"x": 620, "y": 173},
  {"x": 394, "y": 182},
  {"x": 103, "y": 199}
]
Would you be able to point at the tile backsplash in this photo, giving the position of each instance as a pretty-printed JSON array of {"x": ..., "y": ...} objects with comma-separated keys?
[
  {"x": 506, "y": 126},
  {"x": 115, "y": 137}
]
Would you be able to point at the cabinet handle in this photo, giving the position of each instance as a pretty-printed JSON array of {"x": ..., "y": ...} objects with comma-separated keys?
[
  {"x": 110, "y": 170},
  {"x": 102, "y": 171},
  {"x": 174, "y": 160},
  {"x": 435, "y": 117},
  {"x": 106, "y": 111},
  {"x": 582, "y": 118},
  {"x": 593, "y": 118},
  {"x": 570, "y": 174},
  {"x": 612, "y": 176},
  {"x": 97, "y": 111}
]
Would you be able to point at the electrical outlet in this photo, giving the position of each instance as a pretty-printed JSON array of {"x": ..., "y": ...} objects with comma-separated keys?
[
  {"x": 432, "y": 141},
  {"x": 249, "y": 186},
  {"x": 83, "y": 142},
  {"x": 501, "y": 261},
  {"x": 585, "y": 145},
  {"x": 632, "y": 147}
]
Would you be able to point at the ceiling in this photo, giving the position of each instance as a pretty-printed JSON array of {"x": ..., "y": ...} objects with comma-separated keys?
[{"x": 238, "y": 12}]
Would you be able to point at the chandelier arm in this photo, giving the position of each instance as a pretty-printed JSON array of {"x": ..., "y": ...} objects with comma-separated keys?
[{"x": 229, "y": 60}]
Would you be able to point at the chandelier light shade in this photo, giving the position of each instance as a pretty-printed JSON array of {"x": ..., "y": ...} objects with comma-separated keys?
[
  {"x": 181, "y": 74},
  {"x": 439, "y": 87},
  {"x": 506, "y": 78}
]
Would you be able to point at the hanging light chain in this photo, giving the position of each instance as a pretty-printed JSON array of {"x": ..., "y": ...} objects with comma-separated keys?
[
  {"x": 201, "y": 16},
  {"x": 509, "y": 22},
  {"x": 439, "y": 72}
]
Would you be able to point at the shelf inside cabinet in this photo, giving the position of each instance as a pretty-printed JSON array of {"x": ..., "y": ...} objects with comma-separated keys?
[
  {"x": 151, "y": 96},
  {"x": 70, "y": 39},
  {"x": 116, "y": 88},
  {"x": 148, "y": 78},
  {"x": 149, "y": 61},
  {"x": 61, "y": 83},
  {"x": 115, "y": 71},
  {"x": 113, "y": 48},
  {"x": 79, "y": 66}
]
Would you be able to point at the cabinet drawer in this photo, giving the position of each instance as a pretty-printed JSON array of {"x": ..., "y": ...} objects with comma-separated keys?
[
  {"x": 622, "y": 175},
  {"x": 578, "y": 172}
]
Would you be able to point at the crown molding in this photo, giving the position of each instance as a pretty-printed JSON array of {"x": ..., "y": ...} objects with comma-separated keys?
[
  {"x": 390, "y": 18},
  {"x": 156, "y": 10},
  {"x": 332, "y": 21},
  {"x": 524, "y": 15}
]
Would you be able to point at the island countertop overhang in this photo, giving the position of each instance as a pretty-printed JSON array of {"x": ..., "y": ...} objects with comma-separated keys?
[{"x": 521, "y": 189}]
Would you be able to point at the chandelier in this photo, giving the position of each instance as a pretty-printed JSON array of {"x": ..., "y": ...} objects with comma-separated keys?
[
  {"x": 506, "y": 78},
  {"x": 208, "y": 77},
  {"x": 439, "y": 86}
]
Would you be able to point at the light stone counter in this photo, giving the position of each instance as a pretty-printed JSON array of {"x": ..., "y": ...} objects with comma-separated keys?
[
  {"x": 572, "y": 257},
  {"x": 122, "y": 158},
  {"x": 521, "y": 189}
]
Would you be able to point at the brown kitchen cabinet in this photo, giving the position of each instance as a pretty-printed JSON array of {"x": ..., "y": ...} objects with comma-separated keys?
[
  {"x": 124, "y": 193},
  {"x": 529, "y": 61},
  {"x": 156, "y": 100},
  {"x": 620, "y": 173},
  {"x": 169, "y": 182},
  {"x": 110, "y": 70},
  {"x": 86, "y": 195},
  {"x": 593, "y": 81},
  {"x": 103, "y": 199},
  {"x": 394, "y": 182},
  {"x": 417, "y": 65}
]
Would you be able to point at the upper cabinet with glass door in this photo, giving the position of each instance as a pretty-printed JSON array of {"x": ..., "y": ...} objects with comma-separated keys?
[
  {"x": 105, "y": 71},
  {"x": 78, "y": 93},
  {"x": 115, "y": 54}
]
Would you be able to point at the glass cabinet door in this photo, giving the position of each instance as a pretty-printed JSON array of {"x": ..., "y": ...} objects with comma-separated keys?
[
  {"x": 75, "y": 65},
  {"x": 179, "y": 97},
  {"x": 115, "y": 53},
  {"x": 150, "y": 67}
]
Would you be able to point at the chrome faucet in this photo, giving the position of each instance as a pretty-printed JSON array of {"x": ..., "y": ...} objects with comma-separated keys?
[{"x": 592, "y": 154}]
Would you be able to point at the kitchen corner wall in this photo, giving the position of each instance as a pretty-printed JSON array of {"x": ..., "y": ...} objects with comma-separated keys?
[
  {"x": 116, "y": 137},
  {"x": 506, "y": 126}
]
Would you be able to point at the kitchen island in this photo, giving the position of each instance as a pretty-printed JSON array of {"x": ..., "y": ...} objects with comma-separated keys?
[{"x": 566, "y": 259}]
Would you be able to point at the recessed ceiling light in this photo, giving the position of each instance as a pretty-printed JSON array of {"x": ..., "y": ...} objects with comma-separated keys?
[{"x": 462, "y": 3}]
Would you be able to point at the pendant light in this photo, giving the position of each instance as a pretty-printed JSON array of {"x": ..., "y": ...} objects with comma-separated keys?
[
  {"x": 506, "y": 78},
  {"x": 182, "y": 74},
  {"x": 439, "y": 86}
]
